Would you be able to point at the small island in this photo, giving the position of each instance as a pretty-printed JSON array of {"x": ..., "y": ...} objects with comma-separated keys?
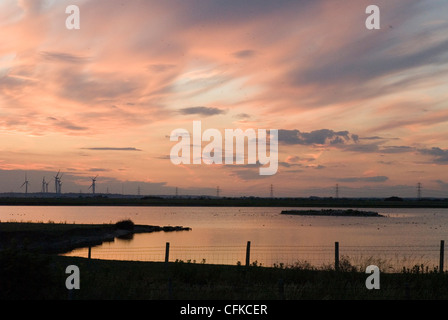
[{"x": 333, "y": 212}]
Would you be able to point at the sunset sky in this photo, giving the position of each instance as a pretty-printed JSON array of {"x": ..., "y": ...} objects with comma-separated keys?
[{"x": 365, "y": 109}]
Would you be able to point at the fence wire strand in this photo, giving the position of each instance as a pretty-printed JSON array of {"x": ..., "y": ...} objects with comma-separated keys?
[{"x": 393, "y": 258}]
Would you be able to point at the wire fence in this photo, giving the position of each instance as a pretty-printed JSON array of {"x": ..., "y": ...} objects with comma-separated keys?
[{"x": 387, "y": 258}]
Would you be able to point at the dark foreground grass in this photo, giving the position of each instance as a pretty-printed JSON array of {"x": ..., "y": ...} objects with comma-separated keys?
[{"x": 36, "y": 276}]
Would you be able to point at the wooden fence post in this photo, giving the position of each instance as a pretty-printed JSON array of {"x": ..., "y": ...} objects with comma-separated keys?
[
  {"x": 167, "y": 252},
  {"x": 248, "y": 254},
  {"x": 336, "y": 256},
  {"x": 442, "y": 255}
]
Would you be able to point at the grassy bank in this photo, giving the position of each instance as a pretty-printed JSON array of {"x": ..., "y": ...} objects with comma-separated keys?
[{"x": 35, "y": 276}]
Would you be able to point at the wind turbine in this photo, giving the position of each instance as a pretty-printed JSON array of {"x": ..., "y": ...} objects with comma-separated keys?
[
  {"x": 44, "y": 184},
  {"x": 56, "y": 182},
  {"x": 93, "y": 184},
  {"x": 25, "y": 184},
  {"x": 60, "y": 184}
]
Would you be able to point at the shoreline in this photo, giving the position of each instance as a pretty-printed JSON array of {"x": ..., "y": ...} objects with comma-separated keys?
[
  {"x": 59, "y": 238},
  {"x": 206, "y": 201}
]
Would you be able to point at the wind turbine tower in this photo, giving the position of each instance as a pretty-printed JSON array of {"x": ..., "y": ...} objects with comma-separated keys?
[
  {"x": 93, "y": 184},
  {"x": 56, "y": 182},
  {"x": 44, "y": 185},
  {"x": 25, "y": 184},
  {"x": 60, "y": 185}
]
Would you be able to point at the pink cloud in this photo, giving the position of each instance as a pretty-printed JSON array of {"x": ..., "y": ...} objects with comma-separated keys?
[{"x": 123, "y": 78}]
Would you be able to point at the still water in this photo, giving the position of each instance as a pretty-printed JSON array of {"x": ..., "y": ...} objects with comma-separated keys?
[{"x": 220, "y": 235}]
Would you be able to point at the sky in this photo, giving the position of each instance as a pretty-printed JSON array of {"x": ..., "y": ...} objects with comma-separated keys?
[{"x": 364, "y": 109}]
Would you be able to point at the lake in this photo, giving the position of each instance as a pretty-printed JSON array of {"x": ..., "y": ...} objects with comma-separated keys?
[{"x": 219, "y": 234}]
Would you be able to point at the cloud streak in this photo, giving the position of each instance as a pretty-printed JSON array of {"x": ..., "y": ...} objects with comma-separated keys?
[
  {"x": 440, "y": 155},
  {"x": 139, "y": 69},
  {"x": 322, "y": 136},
  {"x": 202, "y": 111},
  {"x": 364, "y": 179},
  {"x": 112, "y": 149},
  {"x": 64, "y": 57}
]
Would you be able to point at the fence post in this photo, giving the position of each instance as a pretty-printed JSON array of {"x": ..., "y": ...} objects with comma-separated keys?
[
  {"x": 248, "y": 254},
  {"x": 167, "y": 252},
  {"x": 90, "y": 253},
  {"x": 336, "y": 256},
  {"x": 442, "y": 255}
]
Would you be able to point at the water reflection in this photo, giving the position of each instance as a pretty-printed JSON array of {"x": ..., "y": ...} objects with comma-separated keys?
[{"x": 219, "y": 235}]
